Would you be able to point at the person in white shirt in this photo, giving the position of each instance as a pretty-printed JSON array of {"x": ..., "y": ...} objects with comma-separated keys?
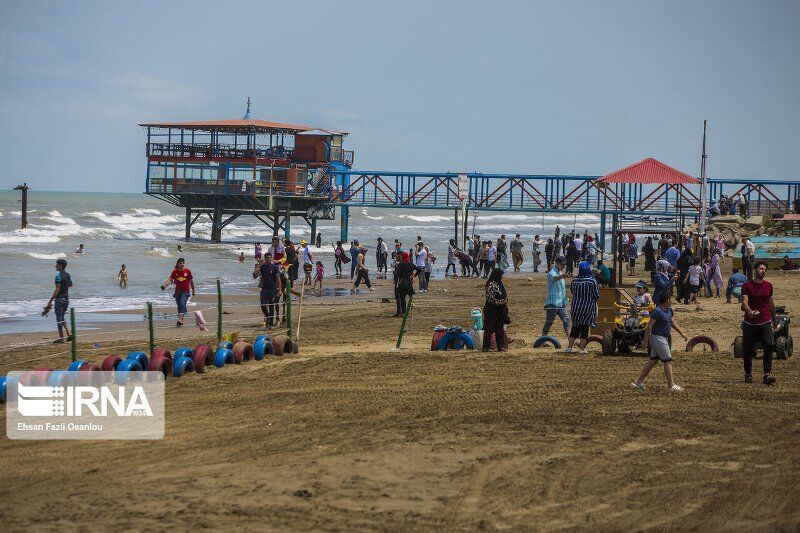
[
  {"x": 578, "y": 245},
  {"x": 308, "y": 261},
  {"x": 419, "y": 262},
  {"x": 491, "y": 258},
  {"x": 381, "y": 256}
]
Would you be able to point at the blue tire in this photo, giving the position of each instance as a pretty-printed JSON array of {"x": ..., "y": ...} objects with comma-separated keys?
[
  {"x": 2, "y": 389},
  {"x": 76, "y": 365},
  {"x": 181, "y": 366},
  {"x": 261, "y": 338},
  {"x": 261, "y": 349},
  {"x": 124, "y": 368},
  {"x": 226, "y": 345},
  {"x": 59, "y": 378},
  {"x": 223, "y": 357},
  {"x": 183, "y": 352},
  {"x": 544, "y": 339},
  {"x": 456, "y": 341},
  {"x": 141, "y": 358}
]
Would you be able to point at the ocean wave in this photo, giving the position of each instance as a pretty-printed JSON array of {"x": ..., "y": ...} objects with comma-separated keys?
[
  {"x": 57, "y": 255},
  {"x": 19, "y": 213},
  {"x": 126, "y": 221},
  {"x": 426, "y": 218},
  {"x": 24, "y": 308},
  {"x": 364, "y": 213},
  {"x": 158, "y": 252},
  {"x": 27, "y": 236},
  {"x": 146, "y": 211}
]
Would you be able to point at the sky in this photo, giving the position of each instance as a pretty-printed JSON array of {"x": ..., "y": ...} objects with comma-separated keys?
[{"x": 559, "y": 87}]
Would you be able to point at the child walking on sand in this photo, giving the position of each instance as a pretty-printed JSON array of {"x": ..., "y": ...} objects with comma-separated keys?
[
  {"x": 659, "y": 338},
  {"x": 318, "y": 275},
  {"x": 122, "y": 276},
  {"x": 695, "y": 277}
]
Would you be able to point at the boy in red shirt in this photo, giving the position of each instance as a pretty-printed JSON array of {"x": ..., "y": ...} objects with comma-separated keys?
[
  {"x": 184, "y": 282},
  {"x": 759, "y": 321}
]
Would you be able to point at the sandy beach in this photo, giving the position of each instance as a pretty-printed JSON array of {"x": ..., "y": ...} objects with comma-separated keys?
[{"x": 348, "y": 434}]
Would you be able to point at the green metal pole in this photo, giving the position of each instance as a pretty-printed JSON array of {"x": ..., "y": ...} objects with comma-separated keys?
[
  {"x": 150, "y": 326},
  {"x": 74, "y": 334},
  {"x": 288, "y": 296},
  {"x": 219, "y": 311},
  {"x": 405, "y": 318}
]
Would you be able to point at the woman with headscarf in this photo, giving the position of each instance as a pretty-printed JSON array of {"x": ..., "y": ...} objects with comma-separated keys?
[
  {"x": 495, "y": 311},
  {"x": 662, "y": 280},
  {"x": 715, "y": 273},
  {"x": 649, "y": 255},
  {"x": 585, "y": 294},
  {"x": 685, "y": 261}
]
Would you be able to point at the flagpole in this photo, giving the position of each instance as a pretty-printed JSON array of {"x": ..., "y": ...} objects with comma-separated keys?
[{"x": 703, "y": 208}]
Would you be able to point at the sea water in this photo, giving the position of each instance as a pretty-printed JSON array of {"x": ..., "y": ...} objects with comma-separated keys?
[{"x": 143, "y": 233}]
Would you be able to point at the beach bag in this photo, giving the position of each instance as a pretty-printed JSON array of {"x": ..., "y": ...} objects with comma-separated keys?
[
  {"x": 737, "y": 291},
  {"x": 345, "y": 259}
]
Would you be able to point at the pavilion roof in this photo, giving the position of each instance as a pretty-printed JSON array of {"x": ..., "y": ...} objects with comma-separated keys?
[{"x": 649, "y": 171}]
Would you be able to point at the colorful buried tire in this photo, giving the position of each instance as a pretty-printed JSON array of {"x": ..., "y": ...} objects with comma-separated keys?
[
  {"x": 141, "y": 358},
  {"x": 701, "y": 340},
  {"x": 242, "y": 351},
  {"x": 261, "y": 338},
  {"x": 437, "y": 337},
  {"x": 261, "y": 349},
  {"x": 184, "y": 351},
  {"x": 3, "y": 386},
  {"x": 281, "y": 344},
  {"x": 546, "y": 339},
  {"x": 161, "y": 352},
  {"x": 111, "y": 363},
  {"x": 59, "y": 378},
  {"x": 456, "y": 341},
  {"x": 203, "y": 357},
  {"x": 223, "y": 357},
  {"x": 160, "y": 364},
  {"x": 76, "y": 365},
  {"x": 124, "y": 368},
  {"x": 595, "y": 338},
  {"x": 226, "y": 345},
  {"x": 181, "y": 366}
]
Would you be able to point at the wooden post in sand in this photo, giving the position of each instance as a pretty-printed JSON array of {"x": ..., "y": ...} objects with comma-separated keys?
[{"x": 24, "y": 188}]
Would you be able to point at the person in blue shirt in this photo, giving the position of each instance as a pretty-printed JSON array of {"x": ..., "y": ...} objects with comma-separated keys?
[
  {"x": 735, "y": 281},
  {"x": 60, "y": 297},
  {"x": 672, "y": 254},
  {"x": 662, "y": 280},
  {"x": 556, "y": 303},
  {"x": 658, "y": 339}
]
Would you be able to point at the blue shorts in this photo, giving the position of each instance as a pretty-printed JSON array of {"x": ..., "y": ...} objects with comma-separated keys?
[{"x": 181, "y": 300}]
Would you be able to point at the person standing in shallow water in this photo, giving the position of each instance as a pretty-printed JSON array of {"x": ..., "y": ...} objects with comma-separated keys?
[
  {"x": 495, "y": 311},
  {"x": 61, "y": 299},
  {"x": 183, "y": 280}
]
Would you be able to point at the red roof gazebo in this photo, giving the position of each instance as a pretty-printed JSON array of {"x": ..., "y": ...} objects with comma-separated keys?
[{"x": 654, "y": 174}]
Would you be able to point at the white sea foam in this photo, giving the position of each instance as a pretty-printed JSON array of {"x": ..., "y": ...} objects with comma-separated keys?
[
  {"x": 58, "y": 255},
  {"x": 131, "y": 222},
  {"x": 23, "y": 308},
  {"x": 159, "y": 252},
  {"x": 27, "y": 236},
  {"x": 142, "y": 211},
  {"x": 426, "y": 218},
  {"x": 365, "y": 214}
]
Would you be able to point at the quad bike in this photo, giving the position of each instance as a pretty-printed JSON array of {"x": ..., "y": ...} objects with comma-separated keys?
[
  {"x": 628, "y": 330},
  {"x": 784, "y": 345}
]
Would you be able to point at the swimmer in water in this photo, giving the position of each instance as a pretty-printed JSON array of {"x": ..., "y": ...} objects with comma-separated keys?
[
  {"x": 241, "y": 257},
  {"x": 80, "y": 249},
  {"x": 122, "y": 276}
]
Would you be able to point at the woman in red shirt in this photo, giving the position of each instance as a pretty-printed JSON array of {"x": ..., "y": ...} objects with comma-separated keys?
[{"x": 182, "y": 278}]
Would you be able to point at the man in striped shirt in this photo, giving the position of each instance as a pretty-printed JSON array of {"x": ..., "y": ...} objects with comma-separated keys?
[{"x": 556, "y": 303}]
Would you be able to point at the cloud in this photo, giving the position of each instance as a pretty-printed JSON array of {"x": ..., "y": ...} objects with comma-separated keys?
[{"x": 150, "y": 90}]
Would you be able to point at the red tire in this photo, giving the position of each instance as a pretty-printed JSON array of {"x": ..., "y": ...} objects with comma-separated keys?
[
  {"x": 437, "y": 336},
  {"x": 110, "y": 363},
  {"x": 203, "y": 357},
  {"x": 161, "y": 364},
  {"x": 282, "y": 344},
  {"x": 161, "y": 352},
  {"x": 701, "y": 339},
  {"x": 242, "y": 351},
  {"x": 89, "y": 367},
  {"x": 92, "y": 378},
  {"x": 43, "y": 374},
  {"x": 595, "y": 338}
]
